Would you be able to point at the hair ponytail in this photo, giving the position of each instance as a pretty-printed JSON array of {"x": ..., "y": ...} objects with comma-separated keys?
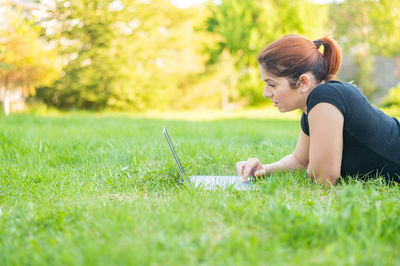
[{"x": 332, "y": 55}]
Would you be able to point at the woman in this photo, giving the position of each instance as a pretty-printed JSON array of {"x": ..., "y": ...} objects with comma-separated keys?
[{"x": 341, "y": 132}]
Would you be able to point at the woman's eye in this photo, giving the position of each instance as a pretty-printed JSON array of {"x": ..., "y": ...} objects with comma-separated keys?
[{"x": 271, "y": 85}]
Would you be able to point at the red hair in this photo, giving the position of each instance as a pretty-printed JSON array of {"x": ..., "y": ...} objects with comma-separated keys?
[{"x": 293, "y": 55}]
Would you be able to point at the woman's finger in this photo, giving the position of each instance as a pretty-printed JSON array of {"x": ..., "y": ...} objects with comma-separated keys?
[
  {"x": 240, "y": 167},
  {"x": 249, "y": 168},
  {"x": 260, "y": 173}
]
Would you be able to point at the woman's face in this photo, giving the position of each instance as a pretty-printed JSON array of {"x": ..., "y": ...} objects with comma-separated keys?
[{"x": 281, "y": 94}]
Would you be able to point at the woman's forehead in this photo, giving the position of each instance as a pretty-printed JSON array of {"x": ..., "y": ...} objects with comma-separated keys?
[{"x": 265, "y": 75}]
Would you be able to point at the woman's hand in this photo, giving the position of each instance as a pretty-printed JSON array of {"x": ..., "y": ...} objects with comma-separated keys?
[{"x": 251, "y": 167}]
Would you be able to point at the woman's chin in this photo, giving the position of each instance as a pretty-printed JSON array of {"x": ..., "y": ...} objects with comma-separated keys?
[{"x": 283, "y": 110}]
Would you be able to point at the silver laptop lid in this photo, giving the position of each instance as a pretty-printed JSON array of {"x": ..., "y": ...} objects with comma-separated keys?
[{"x": 171, "y": 147}]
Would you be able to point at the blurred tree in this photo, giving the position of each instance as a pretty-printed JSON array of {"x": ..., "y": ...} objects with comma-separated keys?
[
  {"x": 367, "y": 28},
  {"x": 385, "y": 33},
  {"x": 83, "y": 33},
  {"x": 26, "y": 61},
  {"x": 164, "y": 52},
  {"x": 244, "y": 27},
  {"x": 122, "y": 54},
  {"x": 392, "y": 98},
  {"x": 352, "y": 22}
]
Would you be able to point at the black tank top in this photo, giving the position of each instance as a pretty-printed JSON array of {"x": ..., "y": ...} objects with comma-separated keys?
[{"x": 371, "y": 139}]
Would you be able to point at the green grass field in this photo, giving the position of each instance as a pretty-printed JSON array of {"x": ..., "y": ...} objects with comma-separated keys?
[{"x": 87, "y": 189}]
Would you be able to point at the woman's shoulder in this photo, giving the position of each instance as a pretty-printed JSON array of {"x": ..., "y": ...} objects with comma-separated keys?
[
  {"x": 335, "y": 85},
  {"x": 335, "y": 92},
  {"x": 336, "y": 89}
]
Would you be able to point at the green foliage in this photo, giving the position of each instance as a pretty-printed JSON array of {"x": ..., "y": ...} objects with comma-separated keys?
[
  {"x": 243, "y": 28},
  {"x": 88, "y": 189},
  {"x": 352, "y": 22},
  {"x": 91, "y": 59},
  {"x": 393, "y": 97},
  {"x": 384, "y": 32},
  {"x": 366, "y": 28},
  {"x": 122, "y": 54},
  {"x": 25, "y": 60},
  {"x": 140, "y": 55}
]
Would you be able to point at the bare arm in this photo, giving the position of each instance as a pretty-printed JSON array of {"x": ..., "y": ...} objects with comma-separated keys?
[
  {"x": 298, "y": 160},
  {"x": 320, "y": 153},
  {"x": 326, "y": 143}
]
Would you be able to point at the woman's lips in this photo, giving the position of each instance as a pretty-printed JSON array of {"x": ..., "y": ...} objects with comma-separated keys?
[{"x": 275, "y": 104}]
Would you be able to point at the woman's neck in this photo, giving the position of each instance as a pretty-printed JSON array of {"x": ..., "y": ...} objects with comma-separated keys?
[{"x": 313, "y": 86}]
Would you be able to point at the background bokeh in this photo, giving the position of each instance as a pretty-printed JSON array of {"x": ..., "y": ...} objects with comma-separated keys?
[{"x": 175, "y": 55}]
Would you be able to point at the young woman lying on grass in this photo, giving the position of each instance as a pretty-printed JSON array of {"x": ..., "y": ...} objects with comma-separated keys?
[{"x": 341, "y": 132}]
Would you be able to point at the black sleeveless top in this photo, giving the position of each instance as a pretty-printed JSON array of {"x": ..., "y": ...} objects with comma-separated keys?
[{"x": 371, "y": 139}]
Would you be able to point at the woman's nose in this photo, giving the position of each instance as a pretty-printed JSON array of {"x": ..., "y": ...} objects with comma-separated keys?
[{"x": 267, "y": 93}]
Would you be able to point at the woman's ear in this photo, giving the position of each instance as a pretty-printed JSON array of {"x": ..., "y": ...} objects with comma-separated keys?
[{"x": 304, "y": 83}]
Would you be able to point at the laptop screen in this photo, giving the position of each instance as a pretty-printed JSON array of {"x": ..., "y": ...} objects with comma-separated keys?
[{"x": 171, "y": 147}]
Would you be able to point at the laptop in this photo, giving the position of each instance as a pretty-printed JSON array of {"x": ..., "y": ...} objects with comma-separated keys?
[{"x": 209, "y": 182}]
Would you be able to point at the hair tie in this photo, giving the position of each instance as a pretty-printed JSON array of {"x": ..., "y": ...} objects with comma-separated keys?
[{"x": 318, "y": 43}]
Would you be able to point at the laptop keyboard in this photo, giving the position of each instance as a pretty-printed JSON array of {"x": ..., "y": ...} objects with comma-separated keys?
[{"x": 224, "y": 182}]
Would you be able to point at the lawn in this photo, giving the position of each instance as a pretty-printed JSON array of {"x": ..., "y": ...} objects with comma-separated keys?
[{"x": 90, "y": 189}]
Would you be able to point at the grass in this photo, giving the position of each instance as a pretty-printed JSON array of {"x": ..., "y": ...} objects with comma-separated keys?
[{"x": 87, "y": 189}]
